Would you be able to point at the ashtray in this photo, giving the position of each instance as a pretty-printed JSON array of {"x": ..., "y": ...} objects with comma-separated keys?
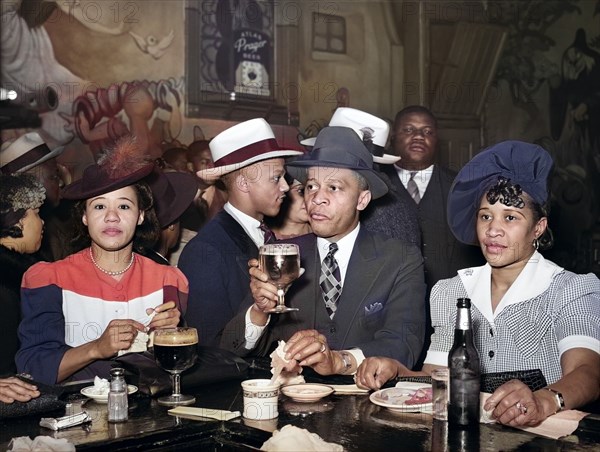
[{"x": 307, "y": 392}]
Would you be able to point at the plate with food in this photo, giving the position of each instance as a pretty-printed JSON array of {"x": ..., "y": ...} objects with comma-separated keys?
[
  {"x": 306, "y": 392},
  {"x": 406, "y": 397}
]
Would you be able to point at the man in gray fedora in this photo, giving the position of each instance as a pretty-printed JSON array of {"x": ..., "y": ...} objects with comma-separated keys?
[{"x": 361, "y": 294}]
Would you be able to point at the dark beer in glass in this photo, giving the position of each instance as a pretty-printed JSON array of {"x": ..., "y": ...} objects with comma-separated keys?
[{"x": 176, "y": 350}]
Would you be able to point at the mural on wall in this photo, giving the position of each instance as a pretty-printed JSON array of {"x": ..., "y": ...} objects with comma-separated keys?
[
  {"x": 150, "y": 111},
  {"x": 79, "y": 112},
  {"x": 557, "y": 90}
]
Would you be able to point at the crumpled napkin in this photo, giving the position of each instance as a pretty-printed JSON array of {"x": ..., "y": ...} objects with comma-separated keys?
[
  {"x": 291, "y": 438},
  {"x": 280, "y": 375},
  {"x": 556, "y": 426},
  {"x": 40, "y": 444}
]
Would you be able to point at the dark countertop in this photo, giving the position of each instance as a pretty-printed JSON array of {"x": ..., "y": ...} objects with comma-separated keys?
[{"x": 350, "y": 420}]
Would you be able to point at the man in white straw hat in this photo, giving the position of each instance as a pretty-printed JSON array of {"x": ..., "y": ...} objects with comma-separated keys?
[
  {"x": 362, "y": 294},
  {"x": 30, "y": 154},
  {"x": 250, "y": 164}
]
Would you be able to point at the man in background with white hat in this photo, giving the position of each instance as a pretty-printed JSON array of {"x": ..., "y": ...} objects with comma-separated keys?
[
  {"x": 362, "y": 294},
  {"x": 393, "y": 214},
  {"x": 250, "y": 164},
  {"x": 30, "y": 154}
]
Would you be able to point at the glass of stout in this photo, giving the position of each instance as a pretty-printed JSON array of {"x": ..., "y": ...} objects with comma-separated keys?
[
  {"x": 175, "y": 350},
  {"x": 281, "y": 263}
]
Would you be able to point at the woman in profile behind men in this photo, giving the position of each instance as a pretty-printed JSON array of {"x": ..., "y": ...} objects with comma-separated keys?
[{"x": 21, "y": 197}]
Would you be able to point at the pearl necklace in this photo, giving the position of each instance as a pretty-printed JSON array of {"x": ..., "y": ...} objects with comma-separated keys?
[{"x": 108, "y": 272}]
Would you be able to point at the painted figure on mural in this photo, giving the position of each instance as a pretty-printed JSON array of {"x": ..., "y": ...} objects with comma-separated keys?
[
  {"x": 575, "y": 104},
  {"x": 30, "y": 67},
  {"x": 148, "y": 110},
  {"x": 574, "y": 116}
]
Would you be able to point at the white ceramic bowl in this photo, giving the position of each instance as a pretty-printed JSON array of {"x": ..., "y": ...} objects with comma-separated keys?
[{"x": 307, "y": 392}]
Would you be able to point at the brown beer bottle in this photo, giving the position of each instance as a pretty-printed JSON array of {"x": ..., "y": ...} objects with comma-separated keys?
[{"x": 463, "y": 361}]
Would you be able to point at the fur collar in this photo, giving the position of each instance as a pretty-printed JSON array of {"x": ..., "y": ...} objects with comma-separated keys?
[{"x": 14, "y": 265}]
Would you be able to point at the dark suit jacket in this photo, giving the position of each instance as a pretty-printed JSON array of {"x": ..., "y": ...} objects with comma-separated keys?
[
  {"x": 215, "y": 263},
  {"x": 443, "y": 255},
  {"x": 381, "y": 309}
]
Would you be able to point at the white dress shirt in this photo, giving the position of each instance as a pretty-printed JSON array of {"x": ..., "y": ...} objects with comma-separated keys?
[
  {"x": 249, "y": 224},
  {"x": 422, "y": 178}
]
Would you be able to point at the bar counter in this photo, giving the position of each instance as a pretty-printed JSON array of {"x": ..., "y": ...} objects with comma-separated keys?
[{"x": 350, "y": 420}]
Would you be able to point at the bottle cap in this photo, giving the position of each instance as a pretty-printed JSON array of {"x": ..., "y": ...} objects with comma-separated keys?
[
  {"x": 117, "y": 372},
  {"x": 463, "y": 303}
]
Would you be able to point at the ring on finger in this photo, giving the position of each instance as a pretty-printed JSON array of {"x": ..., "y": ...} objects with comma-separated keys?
[
  {"x": 323, "y": 348},
  {"x": 522, "y": 408}
]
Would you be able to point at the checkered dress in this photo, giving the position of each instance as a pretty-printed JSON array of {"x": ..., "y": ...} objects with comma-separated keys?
[{"x": 531, "y": 334}]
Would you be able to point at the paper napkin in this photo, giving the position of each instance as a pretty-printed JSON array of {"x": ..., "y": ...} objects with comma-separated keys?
[
  {"x": 556, "y": 426},
  {"x": 348, "y": 389},
  {"x": 211, "y": 413}
]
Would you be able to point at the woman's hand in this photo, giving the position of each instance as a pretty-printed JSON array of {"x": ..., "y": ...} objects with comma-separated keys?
[
  {"x": 514, "y": 404},
  {"x": 118, "y": 335},
  {"x": 374, "y": 372},
  {"x": 167, "y": 316},
  {"x": 12, "y": 389}
]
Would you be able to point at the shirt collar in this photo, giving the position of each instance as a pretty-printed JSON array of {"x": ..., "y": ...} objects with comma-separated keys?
[
  {"x": 345, "y": 247},
  {"x": 249, "y": 224},
  {"x": 422, "y": 177},
  {"x": 478, "y": 282}
]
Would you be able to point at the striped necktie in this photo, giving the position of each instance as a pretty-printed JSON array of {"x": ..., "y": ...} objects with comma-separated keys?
[
  {"x": 330, "y": 280},
  {"x": 269, "y": 236},
  {"x": 412, "y": 188}
]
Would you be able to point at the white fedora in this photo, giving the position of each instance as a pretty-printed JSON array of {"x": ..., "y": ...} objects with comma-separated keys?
[
  {"x": 241, "y": 145},
  {"x": 365, "y": 125},
  {"x": 25, "y": 152}
]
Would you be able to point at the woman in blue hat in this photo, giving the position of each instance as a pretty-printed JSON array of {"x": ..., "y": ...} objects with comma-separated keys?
[
  {"x": 80, "y": 312},
  {"x": 528, "y": 313}
]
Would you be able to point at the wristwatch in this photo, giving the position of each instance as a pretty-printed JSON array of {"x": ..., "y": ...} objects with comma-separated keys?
[
  {"x": 347, "y": 362},
  {"x": 560, "y": 401}
]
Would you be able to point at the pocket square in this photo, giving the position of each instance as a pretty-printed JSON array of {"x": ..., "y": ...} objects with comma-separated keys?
[{"x": 373, "y": 308}]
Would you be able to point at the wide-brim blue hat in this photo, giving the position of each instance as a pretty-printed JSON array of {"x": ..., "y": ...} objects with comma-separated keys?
[
  {"x": 340, "y": 147},
  {"x": 525, "y": 164}
]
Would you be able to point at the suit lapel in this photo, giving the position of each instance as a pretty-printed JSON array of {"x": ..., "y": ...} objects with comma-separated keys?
[
  {"x": 391, "y": 172},
  {"x": 357, "y": 283},
  {"x": 243, "y": 242}
]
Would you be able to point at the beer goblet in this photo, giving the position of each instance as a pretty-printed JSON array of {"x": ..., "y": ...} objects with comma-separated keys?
[
  {"x": 175, "y": 350},
  {"x": 281, "y": 263}
]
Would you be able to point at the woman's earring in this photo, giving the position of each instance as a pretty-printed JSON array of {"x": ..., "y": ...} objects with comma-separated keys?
[{"x": 536, "y": 243}]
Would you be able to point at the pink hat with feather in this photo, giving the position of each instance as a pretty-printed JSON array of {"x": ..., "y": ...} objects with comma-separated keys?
[{"x": 118, "y": 167}]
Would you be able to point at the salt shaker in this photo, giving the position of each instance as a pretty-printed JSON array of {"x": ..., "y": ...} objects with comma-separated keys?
[{"x": 117, "y": 396}]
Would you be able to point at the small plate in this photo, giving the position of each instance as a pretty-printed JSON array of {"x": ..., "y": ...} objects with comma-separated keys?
[
  {"x": 395, "y": 398},
  {"x": 307, "y": 392},
  {"x": 103, "y": 398}
]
